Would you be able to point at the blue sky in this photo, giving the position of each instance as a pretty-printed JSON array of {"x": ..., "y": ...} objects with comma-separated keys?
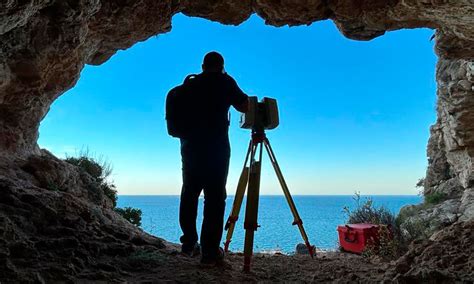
[{"x": 354, "y": 115}]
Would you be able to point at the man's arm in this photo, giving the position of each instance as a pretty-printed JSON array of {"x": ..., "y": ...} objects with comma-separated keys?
[
  {"x": 238, "y": 99},
  {"x": 243, "y": 107}
]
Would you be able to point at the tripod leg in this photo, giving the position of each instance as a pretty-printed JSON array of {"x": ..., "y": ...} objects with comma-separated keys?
[
  {"x": 251, "y": 209},
  {"x": 289, "y": 199},
  {"x": 239, "y": 196}
]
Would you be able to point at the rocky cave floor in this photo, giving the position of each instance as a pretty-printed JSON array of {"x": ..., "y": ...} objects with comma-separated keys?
[
  {"x": 325, "y": 267},
  {"x": 450, "y": 259},
  {"x": 57, "y": 226},
  {"x": 105, "y": 252}
]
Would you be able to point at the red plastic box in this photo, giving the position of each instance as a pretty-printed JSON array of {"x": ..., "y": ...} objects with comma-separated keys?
[{"x": 355, "y": 237}]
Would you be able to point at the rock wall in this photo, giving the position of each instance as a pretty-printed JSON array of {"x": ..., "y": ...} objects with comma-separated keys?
[
  {"x": 450, "y": 173},
  {"x": 44, "y": 44}
]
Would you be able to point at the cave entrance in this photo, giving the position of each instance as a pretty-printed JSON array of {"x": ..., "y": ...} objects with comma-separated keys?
[{"x": 354, "y": 116}]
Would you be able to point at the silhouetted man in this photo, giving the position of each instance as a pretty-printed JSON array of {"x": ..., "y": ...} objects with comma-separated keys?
[{"x": 205, "y": 156}]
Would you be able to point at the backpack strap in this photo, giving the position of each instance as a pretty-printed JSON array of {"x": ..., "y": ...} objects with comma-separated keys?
[{"x": 189, "y": 78}]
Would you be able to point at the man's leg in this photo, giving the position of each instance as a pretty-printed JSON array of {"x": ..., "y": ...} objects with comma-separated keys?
[
  {"x": 214, "y": 202},
  {"x": 190, "y": 192},
  {"x": 188, "y": 213},
  {"x": 213, "y": 223}
]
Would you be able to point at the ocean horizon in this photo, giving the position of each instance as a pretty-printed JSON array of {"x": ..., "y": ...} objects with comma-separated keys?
[{"x": 321, "y": 214}]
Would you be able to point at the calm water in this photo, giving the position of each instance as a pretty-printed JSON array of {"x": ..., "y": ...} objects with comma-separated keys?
[{"x": 320, "y": 214}]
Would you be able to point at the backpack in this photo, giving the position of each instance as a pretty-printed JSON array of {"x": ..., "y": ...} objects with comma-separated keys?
[{"x": 179, "y": 118}]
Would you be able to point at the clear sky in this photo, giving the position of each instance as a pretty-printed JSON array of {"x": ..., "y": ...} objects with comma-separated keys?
[{"x": 354, "y": 115}]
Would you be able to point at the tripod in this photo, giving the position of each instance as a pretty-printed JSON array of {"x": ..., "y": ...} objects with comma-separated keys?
[{"x": 251, "y": 175}]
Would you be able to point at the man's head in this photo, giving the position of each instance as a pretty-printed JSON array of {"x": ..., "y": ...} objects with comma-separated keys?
[{"x": 213, "y": 62}]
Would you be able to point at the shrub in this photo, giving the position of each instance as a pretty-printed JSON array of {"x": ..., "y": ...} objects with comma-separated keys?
[
  {"x": 99, "y": 169},
  {"x": 420, "y": 182},
  {"x": 366, "y": 212},
  {"x": 130, "y": 214},
  {"x": 110, "y": 191},
  {"x": 435, "y": 198},
  {"x": 388, "y": 245}
]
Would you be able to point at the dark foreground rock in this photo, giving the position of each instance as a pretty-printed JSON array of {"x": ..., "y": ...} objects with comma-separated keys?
[
  {"x": 447, "y": 256},
  {"x": 59, "y": 227}
]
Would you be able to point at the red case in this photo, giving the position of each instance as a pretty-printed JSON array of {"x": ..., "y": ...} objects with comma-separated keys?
[{"x": 355, "y": 237}]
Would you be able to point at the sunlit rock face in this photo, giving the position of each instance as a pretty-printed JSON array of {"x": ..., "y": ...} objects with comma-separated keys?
[
  {"x": 451, "y": 145},
  {"x": 44, "y": 44}
]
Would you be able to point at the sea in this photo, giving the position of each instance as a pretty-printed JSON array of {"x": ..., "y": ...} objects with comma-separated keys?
[{"x": 321, "y": 214}]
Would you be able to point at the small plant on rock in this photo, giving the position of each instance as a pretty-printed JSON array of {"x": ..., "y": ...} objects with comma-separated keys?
[
  {"x": 100, "y": 170},
  {"x": 387, "y": 246},
  {"x": 366, "y": 212},
  {"x": 130, "y": 214},
  {"x": 420, "y": 183},
  {"x": 435, "y": 198}
]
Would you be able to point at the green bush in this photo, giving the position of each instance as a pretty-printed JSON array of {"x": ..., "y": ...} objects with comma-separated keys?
[
  {"x": 110, "y": 192},
  {"x": 435, "y": 198},
  {"x": 366, "y": 212},
  {"x": 388, "y": 245},
  {"x": 99, "y": 169},
  {"x": 420, "y": 182},
  {"x": 130, "y": 214}
]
